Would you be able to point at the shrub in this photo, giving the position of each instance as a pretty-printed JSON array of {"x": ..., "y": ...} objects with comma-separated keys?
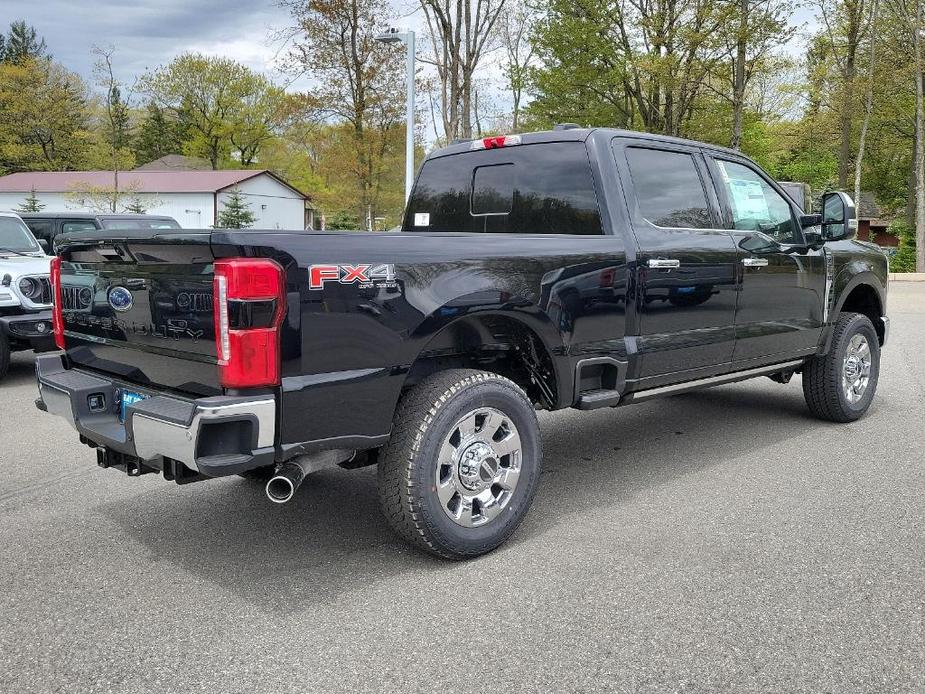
[{"x": 904, "y": 259}]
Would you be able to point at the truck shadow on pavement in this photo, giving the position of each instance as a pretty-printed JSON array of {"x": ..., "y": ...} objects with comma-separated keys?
[{"x": 331, "y": 539}]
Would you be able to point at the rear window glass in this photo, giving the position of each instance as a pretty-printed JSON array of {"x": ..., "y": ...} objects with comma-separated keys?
[
  {"x": 668, "y": 189},
  {"x": 139, "y": 224},
  {"x": 77, "y": 226},
  {"x": 525, "y": 189}
]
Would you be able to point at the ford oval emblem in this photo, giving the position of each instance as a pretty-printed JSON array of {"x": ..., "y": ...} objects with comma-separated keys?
[{"x": 120, "y": 299}]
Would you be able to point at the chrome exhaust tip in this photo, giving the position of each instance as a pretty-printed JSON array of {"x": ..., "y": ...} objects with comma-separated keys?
[
  {"x": 284, "y": 484},
  {"x": 290, "y": 475}
]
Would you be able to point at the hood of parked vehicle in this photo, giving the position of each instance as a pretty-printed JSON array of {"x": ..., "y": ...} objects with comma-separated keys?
[{"x": 18, "y": 265}]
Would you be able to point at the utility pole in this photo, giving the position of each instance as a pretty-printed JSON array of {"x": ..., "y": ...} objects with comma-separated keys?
[{"x": 407, "y": 38}]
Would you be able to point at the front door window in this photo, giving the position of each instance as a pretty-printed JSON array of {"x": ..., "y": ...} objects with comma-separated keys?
[{"x": 756, "y": 206}]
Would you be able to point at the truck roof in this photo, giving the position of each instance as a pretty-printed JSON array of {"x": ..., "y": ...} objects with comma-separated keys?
[
  {"x": 90, "y": 215},
  {"x": 577, "y": 134}
]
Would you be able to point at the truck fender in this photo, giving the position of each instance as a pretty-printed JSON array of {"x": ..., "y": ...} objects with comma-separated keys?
[
  {"x": 466, "y": 319},
  {"x": 859, "y": 276}
]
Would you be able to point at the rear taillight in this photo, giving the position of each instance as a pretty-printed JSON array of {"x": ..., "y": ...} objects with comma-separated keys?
[
  {"x": 57, "y": 312},
  {"x": 249, "y": 306}
]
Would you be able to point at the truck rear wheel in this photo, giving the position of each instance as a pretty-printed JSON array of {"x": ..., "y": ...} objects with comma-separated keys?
[
  {"x": 462, "y": 465},
  {"x": 4, "y": 355},
  {"x": 840, "y": 386}
]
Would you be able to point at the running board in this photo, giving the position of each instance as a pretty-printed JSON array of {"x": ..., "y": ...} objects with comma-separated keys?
[
  {"x": 722, "y": 379},
  {"x": 594, "y": 399}
]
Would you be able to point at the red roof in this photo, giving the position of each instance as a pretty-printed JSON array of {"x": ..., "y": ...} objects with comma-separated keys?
[{"x": 138, "y": 181}]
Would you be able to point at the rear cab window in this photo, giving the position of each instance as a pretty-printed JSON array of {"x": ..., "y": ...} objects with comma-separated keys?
[{"x": 543, "y": 188}]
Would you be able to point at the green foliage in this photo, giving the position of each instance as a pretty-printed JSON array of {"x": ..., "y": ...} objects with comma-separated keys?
[
  {"x": 343, "y": 221},
  {"x": 904, "y": 258},
  {"x": 44, "y": 118},
  {"x": 136, "y": 206},
  {"x": 160, "y": 133},
  {"x": 225, "y": 107},
  {"x": 31, "y": 204},
  {"x": 235, "y": 213},
  {"x": 22, "y": 44}
]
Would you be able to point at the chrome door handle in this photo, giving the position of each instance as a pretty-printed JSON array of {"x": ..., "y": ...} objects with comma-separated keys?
[
  {"x": 755, "y": 262},
  {"x": 664, "y": 263}
]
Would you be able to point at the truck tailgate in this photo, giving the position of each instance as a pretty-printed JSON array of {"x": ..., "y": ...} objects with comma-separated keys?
[{"x": 138, "y": 305}]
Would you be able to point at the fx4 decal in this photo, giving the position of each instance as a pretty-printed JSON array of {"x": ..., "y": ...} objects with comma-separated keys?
[{"x": 363, "y": 275}]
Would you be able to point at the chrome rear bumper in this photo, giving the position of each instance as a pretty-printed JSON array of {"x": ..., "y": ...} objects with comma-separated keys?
[{"x": 214, "y": 436}]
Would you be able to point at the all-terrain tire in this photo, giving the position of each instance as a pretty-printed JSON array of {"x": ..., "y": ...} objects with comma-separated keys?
[
  {"x": 426, "y": 418},
  {"x": 823, "y": 386},
  {"x": 4, "y": 356}
]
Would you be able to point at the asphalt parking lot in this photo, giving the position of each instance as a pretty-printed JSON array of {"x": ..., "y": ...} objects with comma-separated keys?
[{"x": 719, "y": 541}]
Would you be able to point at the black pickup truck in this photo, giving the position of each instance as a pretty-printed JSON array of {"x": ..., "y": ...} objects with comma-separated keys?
[{"x": 570, "y": 268}]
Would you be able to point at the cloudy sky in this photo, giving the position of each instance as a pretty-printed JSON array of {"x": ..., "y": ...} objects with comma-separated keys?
[{"x": 148, "y": 33}]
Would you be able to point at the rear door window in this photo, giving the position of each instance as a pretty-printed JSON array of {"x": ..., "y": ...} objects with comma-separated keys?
[
  {"x": 669, "y": 190},
  {"x": 525, "y": 189},
  {"x": 77, "y": 225},
  {"x": 41, "y": 228}
]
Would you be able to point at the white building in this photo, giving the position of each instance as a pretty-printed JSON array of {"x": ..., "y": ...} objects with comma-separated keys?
[{"x": 193, "y": 198}]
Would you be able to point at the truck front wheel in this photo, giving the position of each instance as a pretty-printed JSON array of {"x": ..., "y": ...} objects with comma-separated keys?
[
  {"x": 840, "y": 386},
  {"x": 462, "y": 465}
]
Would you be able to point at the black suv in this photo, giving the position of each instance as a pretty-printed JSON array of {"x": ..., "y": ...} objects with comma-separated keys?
[{"x": 48, "y": 225}]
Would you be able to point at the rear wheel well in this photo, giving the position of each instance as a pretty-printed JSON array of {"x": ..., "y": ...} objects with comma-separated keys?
[
  {"x": 499, "y": 344},
  {"x": 864, "y": 299}
]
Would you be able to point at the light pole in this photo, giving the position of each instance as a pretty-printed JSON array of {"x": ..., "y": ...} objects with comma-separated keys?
[{"x": 407, "y": 38}]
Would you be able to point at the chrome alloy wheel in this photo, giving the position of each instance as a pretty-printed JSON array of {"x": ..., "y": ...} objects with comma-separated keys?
[
  {"x": 478, "y": 467},
  {"x": 856, "y": 368}
]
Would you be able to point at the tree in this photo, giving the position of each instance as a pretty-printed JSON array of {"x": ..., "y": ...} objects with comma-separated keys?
[
  {"x": 117, "y": 119},
  {"x": 460, "y": 33},
  {"x": 359, "y": 84},
  {"x": 109, "y": 199},
  {"x": 579, "y": 76},
  {"x": 31, "y": 204},
  {"x": 760, "y": 26},
  {"x": 868, "y": 98},
  {"x": 159, "y": 133},
  {"x": 136, "y": 206},
  {"x": 235, "y": 212},
  {"x": 225, "y": 105},
  {"x": 636, "y": 63},
  {"x": 44, "y": 119},
  {"x": 844, "y": 27},
  {"x": 22, "y": 43},
  {"x": 516, "y": 23}
]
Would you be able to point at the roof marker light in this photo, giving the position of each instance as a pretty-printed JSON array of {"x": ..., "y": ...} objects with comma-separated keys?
[{"x": 496, "y": 142}]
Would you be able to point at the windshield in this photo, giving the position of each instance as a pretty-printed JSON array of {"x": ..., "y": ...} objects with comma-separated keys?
[{"x": 15, "y": 236}]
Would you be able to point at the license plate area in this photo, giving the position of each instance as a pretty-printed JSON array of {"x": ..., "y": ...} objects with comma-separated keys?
[{"x": 129, "y": 397}]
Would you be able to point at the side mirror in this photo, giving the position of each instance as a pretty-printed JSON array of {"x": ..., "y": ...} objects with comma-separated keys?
[
  {"x": 839, "y": 218},
  {"x": 43, "y": 244}
]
